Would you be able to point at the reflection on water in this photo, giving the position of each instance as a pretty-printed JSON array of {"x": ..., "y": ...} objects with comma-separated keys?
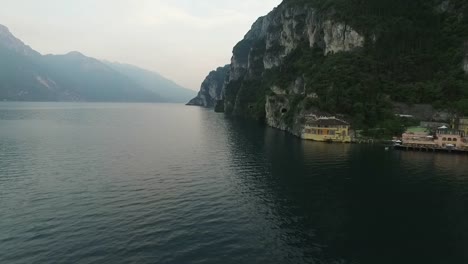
[
  {"x": 355, "y": 204},
  {"x": 142, "y": 183}
]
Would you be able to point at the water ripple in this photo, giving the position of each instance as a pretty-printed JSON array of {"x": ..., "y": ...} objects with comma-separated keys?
[{"x": 123, "y": 183}]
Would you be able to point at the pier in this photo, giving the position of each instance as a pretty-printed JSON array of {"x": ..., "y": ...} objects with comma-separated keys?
[{"x": 430, "y": 149}]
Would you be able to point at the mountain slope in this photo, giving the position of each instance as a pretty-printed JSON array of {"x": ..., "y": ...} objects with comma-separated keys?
[
  {"x": 94, "y": 81},
  {"x": 22, "y": 76},
  {"x": 26, "y": 75},
  {"x": 356, "y": 58},
  {"x": 152, "y": 81},
  {"x": 10, "y": 42}
]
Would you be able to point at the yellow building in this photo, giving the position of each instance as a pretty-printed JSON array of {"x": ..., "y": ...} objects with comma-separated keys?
[
  {"x": 327, "y": 129},
  {"x": 463, "y": 125}
]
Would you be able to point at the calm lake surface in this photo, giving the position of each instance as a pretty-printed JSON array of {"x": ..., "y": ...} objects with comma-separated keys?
[{"x": 161, "y": 183}]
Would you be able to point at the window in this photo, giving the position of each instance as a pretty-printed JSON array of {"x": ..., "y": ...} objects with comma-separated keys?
[
  {"x": 449, "y": 139},
  {"x": 444, "y": 139},
  {"x": 455, "y": 140},
  {"x": 331, "y": 132},
  {"x": 308, "y": 131}
]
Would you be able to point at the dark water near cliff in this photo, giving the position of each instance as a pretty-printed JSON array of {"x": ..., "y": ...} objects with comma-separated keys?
[{"x": 137, "y": 183}]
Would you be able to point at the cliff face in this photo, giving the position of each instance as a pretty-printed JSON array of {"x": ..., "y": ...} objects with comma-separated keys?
[
  {"x": 276, "y": 35},
  {"x": 212, "y": 88},
  {"x": 354, "y": 59},
  {"x": 266, "y": 47}
]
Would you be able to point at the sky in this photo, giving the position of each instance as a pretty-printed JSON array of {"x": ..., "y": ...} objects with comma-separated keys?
[{"x": 181, "y": 39}]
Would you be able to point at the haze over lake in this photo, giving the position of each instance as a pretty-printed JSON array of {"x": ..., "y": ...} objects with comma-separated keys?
[{"x": 165, "y": 183}]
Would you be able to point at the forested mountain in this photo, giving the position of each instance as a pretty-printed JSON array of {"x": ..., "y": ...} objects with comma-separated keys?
[
  {"x": 26, "y": 75},
  {"x": 351, "y": 57}
]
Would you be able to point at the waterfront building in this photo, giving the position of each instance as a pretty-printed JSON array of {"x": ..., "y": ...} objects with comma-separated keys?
[
  {"x": 418, "y": 137},
  {"x": 442, "y": 138},
  {"x": 447, "y": 137},
  {"x": 327, "y": 129},
  {"x": 463, "y": 125}
]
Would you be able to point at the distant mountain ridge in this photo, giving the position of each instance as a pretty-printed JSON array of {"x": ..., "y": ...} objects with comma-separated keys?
[
  {"x": 153, "y": 81},
  {"x": 26, "y": 75}
]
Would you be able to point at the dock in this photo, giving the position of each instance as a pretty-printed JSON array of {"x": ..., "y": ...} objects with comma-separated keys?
[{"x": 430, "y": 149}]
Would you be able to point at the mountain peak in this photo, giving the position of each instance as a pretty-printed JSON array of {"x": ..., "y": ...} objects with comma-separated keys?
[
  {"x": 75, "y": 54},
  {"x": 8, "y": 40},
  {"x": 4, "y": 30}
]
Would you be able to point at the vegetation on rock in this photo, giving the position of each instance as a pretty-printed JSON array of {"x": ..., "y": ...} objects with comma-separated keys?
[{"x": 413, "y": 53}]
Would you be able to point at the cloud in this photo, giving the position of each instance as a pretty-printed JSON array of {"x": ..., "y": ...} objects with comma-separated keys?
[{"x": 177, "y": 14}]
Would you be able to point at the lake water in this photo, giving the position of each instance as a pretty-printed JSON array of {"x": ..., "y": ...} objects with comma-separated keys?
[{"x": 161, "y": 183}]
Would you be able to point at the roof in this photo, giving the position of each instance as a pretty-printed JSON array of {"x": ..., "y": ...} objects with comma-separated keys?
[
  {"x": 324, "y": 122},
  {"x": 416, "y": 130},
  {"x": 448, "y": 131}
]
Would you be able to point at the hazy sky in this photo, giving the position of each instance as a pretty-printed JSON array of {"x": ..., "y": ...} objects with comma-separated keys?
[{"x": 181, "y": 39}]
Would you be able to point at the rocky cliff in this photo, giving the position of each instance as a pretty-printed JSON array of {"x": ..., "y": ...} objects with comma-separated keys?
[
  {"x": 349, "y": 58},
  {"x": 266, "y": 48},
  {"x": 275, "y": 36},
  {"x": 212, "y": 88}
]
